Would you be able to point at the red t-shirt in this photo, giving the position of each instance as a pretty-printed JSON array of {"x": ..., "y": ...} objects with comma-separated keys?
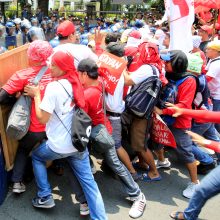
[
  {"x": 94, "y": 106},
  {"x": 19, "y": 80},
  {"x": 185, "y": 97}
]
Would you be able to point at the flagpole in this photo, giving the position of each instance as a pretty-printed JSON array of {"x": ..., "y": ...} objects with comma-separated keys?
[{"x": 215, "y": 19}]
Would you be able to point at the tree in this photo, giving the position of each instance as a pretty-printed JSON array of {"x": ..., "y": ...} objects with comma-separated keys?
[{"x": 43, "y": 4}]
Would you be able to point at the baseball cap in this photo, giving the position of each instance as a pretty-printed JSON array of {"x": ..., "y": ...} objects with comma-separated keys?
[
  {"x": 206, "y": 28},
  {"x": 135, "y": 34},
  {"x": 215, "y": 45},
  {"x": 166, "y": 56},
  {"x": 65, "y": 29}
]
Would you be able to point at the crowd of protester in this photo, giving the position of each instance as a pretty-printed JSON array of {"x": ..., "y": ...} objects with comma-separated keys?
[{"x": 72, "y": 52}]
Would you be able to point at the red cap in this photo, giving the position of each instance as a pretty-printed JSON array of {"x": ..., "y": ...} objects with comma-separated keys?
[
  {"x": 135, "y": 34},
  {"x": 207, "y": 28},
  {"x": 65, "y": 28}
]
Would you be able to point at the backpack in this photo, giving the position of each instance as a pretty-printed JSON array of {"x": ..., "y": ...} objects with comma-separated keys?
[
  {"x": 170, "y": 91},
  {"x": 169, "y": 94},
  {"x": 144, "y": 96}
]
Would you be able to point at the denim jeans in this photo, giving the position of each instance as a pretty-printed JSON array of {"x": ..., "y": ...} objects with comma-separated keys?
[
  {"x": 79, "y": 163},
  {"x": 209, "y": 132},
  {"x": 216, "y": 107},
  {"x": 209, "y": 187},
  {"x": 130, "y": 186}
]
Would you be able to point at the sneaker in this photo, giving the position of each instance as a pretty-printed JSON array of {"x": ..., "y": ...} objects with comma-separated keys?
[
  {"x": 84, "y": 209},
  {"x": 188, "y": 192},
  {"x": 44, "y": 202},
  {"x": 18, "y": 187},
  {"x": 163, "y": 164},
  {"x": 138, "y": 207}
]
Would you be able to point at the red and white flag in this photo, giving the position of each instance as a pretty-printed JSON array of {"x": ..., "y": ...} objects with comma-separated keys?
[{"x": 181, "y": 17}]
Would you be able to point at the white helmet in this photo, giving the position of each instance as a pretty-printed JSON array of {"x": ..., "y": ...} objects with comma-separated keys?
[{"x": 17, "y": 21}]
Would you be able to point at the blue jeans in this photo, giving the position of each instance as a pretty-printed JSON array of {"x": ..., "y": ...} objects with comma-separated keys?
[
  {"x": 112, "y": 160},
  {"x": 79, "y": 163},
  {"x": 209, "y": 187},
  {"x": 209, "y": 132},
  {"x": 216, "y": 107}
]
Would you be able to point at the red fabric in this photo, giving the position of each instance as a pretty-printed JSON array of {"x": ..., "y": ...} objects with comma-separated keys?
[
  {"x": 135, "y": 34},
  {"x": 66, "y": 28},
  {"x": 214, "y": 146},
  {"x": 203, "y": 115},
  {"x": 185, "y": 96},
  {"x": 202, "y": 55},
  {"x": 66, "y": 63},
  {"x": 147, "y": 54},
  {"x": 207, "y": 3},
  {"x": 130, "y": 51},
  {"x": 94, "y": 103},
  {"x": 19, "y": 80},
  {"x": 39, "y": 51}
]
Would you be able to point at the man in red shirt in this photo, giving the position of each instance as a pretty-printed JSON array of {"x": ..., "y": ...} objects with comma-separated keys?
[
  {"x": 38, "y": 52},
  {"x": 88, "y": 74}
]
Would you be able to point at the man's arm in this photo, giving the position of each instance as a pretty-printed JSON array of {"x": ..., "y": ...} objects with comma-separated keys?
[
  {"x": 128, "y": 79},
  {"x": 6, "y": 98}
]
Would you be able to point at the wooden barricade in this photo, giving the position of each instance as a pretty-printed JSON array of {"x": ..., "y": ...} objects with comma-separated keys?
[{"x": 10, "y": 62}]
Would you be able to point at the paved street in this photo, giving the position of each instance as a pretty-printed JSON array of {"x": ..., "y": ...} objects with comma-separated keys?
[{"x": 162, "y": 198}]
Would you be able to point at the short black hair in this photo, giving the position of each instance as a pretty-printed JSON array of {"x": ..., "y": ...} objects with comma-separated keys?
[
  {"x": 88, "y": 65},
  {"x": 111, "y": 37},
  {"x": 116, "y": 49}
]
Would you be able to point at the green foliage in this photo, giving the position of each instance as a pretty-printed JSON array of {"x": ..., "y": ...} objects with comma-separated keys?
[{"x": 11, "y": 11}]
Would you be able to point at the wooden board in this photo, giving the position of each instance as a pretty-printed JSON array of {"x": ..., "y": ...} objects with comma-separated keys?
[{"x": 10, "y": 62}]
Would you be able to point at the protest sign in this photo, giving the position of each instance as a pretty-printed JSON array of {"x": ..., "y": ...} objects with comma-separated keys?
[
  {"x": 110, "y": 68},
  {"x": 160, "y": 133}
]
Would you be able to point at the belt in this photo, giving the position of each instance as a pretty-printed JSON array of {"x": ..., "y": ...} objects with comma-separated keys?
[{"x": 114, "y": 114}]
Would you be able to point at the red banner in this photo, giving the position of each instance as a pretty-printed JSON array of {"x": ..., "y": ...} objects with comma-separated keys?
[
  {"x": 111, "y": 68},
  {"x": 161, "y": 134}
]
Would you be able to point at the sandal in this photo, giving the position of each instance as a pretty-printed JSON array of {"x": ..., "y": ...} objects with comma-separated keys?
[
  {"x": 137, "y": 166},
  {"x": 176, "y": 215},
  {"x": 146, "y": 178}
]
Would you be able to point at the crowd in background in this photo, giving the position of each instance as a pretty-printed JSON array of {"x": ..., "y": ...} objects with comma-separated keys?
[{"x": 143, "y": 35}]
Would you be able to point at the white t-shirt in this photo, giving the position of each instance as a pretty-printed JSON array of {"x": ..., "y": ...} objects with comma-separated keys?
[
  {"x": 214, "y": 72},
  {"x": 115, "y": 103},
  {"x": 142, "y": 73},
  {"x": 57, "y": 100},
  {"x": 78, "y": 51}
]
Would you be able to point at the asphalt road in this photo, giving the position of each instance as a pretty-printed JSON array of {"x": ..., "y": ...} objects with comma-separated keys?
[{"x": 162, "y": 198}]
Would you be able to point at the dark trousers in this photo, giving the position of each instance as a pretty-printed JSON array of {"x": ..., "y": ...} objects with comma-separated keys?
[{"x": 25, "y": 146}]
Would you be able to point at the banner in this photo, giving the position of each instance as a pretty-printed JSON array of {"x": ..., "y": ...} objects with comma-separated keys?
[
  {"x": 181, "y": 17},
  {"x": 160, "y": 133},
  {"x": 110, "y": 68}
]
